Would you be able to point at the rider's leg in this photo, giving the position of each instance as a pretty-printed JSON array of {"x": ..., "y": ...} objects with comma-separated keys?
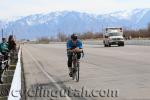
[
  {"x": 6, "y": 58},
  {"x": 70, "y": 64},
  {"x": 70, "y": 60}
]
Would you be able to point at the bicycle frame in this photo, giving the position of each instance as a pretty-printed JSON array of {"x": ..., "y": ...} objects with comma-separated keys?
[
  {"x": 3, "y": 64},
  {"x": 75, "y": 69}
]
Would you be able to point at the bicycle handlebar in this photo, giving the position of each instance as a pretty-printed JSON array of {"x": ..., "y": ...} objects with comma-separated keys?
[{"x": 77, "y": 52}]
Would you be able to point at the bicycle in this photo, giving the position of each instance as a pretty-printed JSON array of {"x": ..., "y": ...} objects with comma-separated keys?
[
  {"x": 76, "y": 66},
  {"x": 3, "y": 66}
]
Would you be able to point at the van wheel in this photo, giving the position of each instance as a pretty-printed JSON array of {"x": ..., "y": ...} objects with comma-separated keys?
[{"x": 105, "y": 45}]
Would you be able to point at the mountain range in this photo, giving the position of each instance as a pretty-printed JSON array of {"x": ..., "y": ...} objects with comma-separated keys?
[{"x": 68, "y": 22}]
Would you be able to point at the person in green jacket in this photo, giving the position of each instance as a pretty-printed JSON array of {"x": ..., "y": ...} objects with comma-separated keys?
[
  {"x": 4, "y": 51},
  {"x": 4, "y": 47}
]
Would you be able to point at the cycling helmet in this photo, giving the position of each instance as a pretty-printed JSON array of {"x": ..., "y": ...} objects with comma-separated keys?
[
  {"x": 74, "y": 37},
  {"x": 3, "y": 39}
]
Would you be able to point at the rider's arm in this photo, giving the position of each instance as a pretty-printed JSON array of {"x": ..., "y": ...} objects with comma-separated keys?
[
  {"x": 72, "y": 50},
  {"x": 69, "y": 46},
  {"x": 79, "y": 46},
  {"x": 78, "y": 49}
]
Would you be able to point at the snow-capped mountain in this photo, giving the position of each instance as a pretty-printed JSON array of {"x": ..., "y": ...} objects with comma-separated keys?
[
  {"x": 135, "y": 16},
  {"x": 70, "y": 21},
  {"x": 129, "y": 13}
]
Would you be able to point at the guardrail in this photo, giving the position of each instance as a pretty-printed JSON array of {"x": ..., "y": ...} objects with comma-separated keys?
[
  {"x": 138, "y": 42},
  {"x": 14, "y": 93},
  {"x": 127, "y": 42}
]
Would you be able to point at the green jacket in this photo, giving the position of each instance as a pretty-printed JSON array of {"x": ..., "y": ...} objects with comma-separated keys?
[{"x": 4, "y": 47}]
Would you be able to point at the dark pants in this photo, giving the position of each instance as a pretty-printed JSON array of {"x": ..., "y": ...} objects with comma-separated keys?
[
  {"x": 70, "y": 58},
  {"x": 5, "y": 55}
]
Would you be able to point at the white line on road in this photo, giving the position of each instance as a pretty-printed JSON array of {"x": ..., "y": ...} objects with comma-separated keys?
[{"x": 51, "y": 79}]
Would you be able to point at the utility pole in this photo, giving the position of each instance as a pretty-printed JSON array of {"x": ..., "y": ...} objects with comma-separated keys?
[
  {"x": 2, "y": 32},
  {"x": 12, "y": 33}
]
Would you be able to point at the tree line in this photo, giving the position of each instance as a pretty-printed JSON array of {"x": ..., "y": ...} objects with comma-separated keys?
[
  {"x": 140, "y": 33},
  {"x": 128, "y": 34}
]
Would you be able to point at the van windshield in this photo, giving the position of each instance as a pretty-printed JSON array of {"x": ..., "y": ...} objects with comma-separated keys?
[{"x": 115, "y": 34}]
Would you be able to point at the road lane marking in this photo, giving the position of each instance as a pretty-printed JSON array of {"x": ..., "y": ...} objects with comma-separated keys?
[{"x": 48, "y": 76}]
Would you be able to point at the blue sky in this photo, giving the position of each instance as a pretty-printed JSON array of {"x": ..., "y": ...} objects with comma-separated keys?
[{"x": 12, "y": 8}]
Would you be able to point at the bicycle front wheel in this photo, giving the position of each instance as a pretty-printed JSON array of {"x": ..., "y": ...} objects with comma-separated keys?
[{"x": 77, "y": 73}]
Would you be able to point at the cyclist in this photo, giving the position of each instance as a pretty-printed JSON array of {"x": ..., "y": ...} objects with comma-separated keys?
[
  {"x": 12, "y": 48},
  {"x": 73, "y": 45},
  {"x": 11, "y": 43},
  {"x": 4, "y": 49}
]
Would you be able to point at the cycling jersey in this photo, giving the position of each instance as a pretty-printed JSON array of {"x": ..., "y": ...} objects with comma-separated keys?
[{"x": 71, "y": 45}]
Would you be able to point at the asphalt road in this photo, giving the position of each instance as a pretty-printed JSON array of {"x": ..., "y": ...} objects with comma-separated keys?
[{"x": 113, "y": 73}]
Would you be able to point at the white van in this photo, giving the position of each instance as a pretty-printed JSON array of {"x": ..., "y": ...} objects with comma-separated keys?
[{"x": 113, "y": 36}]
